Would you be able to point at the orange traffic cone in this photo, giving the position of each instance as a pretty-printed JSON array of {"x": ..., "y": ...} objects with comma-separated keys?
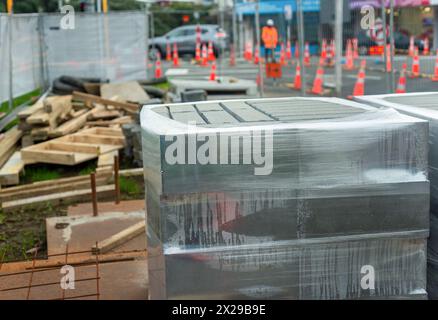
[
  {"x": 256, "y": 55},
  {"x": 158, "y": 71},
  {"x": 175, "y": 55},
  {"x": 198, "y": 52},
  {"x": 411, "y": 50},
  {"x": 323, "y": 57},
  {"x": 307, "y": 55},
  {"x": 359, "y": 87},
  {"x": 213, "y": 71},
  {"x": 297, "y": 81},
  {"x": 282, "y": 55},
  {"x": 204, "y": 62},
  {"x": 435, "y": 77},
  {"x": 318, "y": 82},
  {"x": 288, "y": 51},
  {"x": 349, "y": 65},
  {"x": 245, "y": 52},
  {"x": 401, "y": 86},
  {"x": 248, "y": 51},
  {"x": 388, "y": 58},
  {"x": 211, "y": 56},
  {"x": 330, "y": 54},
  {"x": 426, "y": 51},
  {"x": 415, "y": 73},
  {"x": 168, "y": 52}
]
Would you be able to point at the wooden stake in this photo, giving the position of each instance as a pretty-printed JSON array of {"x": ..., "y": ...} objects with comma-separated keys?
[
  {"x": 117, "y": 178},
  {"x": 94, "y": 194}
]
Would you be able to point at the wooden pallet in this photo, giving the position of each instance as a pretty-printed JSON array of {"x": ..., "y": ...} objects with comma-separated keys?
[{"x": 76, "y": 148}]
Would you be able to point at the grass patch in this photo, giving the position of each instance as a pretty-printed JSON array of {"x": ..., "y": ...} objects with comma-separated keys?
[
  {"x": 36, "y": 174},
  {"x": 163, "y": 85},
  {"x": 88, "y": 169},
  {"x": 4, "y": 107},
  {"x": 129, "y": 186}
]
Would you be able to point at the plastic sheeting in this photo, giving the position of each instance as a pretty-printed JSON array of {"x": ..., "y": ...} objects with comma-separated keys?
[
  {"x": 26, "y": 55},
  {"x": 108, "y": 46},
  {"x": 348, "y": 188},
  {"x": 423, "y": 106}
]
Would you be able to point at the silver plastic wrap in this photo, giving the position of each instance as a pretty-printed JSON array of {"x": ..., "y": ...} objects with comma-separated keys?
[
  {"x": 422, "y": 105},
  {"x": 348, "y": 187}
]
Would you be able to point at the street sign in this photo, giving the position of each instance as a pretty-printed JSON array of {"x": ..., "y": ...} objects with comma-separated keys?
[{"x": 288, "y": 12}]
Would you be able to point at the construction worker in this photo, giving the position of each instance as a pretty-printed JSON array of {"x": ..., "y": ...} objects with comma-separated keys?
[{"x": 270, "y": 39}]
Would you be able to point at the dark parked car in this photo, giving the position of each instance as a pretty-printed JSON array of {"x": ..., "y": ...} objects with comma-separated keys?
[
  {"x": 401, "y": 41},
  {"x": 185, "y": 38}
]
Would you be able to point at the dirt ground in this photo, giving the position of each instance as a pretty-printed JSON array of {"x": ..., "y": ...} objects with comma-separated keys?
[{"x": 24, "y": 229}]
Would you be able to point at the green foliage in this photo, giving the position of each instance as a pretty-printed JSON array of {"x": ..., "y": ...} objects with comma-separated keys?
[
  {"x": 88, "y": 169},
  {"x": 129, "y": 186},
  {"x": 4, "y": 107},
  {"x": 36, "y": 174}
]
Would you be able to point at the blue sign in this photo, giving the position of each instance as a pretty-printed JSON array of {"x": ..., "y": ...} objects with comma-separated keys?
[{"x": 276, "y": 6}]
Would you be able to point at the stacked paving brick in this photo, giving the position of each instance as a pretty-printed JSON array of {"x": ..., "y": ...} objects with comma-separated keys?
[
  {"x": 348, "y": 193},
  {"x": 423, "y": 106}
]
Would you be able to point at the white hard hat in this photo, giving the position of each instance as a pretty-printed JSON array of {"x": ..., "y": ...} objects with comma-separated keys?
[{"x": 270, "y": 22}]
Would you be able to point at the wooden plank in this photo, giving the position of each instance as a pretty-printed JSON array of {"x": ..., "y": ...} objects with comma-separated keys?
[
  {"x": 48, "y": 156},
  {"x": 58, "y": 104},
  {"x": 69, "y": 196},
  {"x": 5, "y": 156},
  {"x": 55, "y": 183},
  {"x": 97, "y": 139},
  {"x": 104, "y": 114},
  {"x": 107, "y": 159},
  {"x": 119, "y": 238},
  {"x": 130, "y": 91},
  {"x": 45, "y": 190},
  {"x": 70, "y": 126},
  {"x": 10, "y": 172},
  {"x": 39, "y": 105},
  {"x": 121, "y": 120},
  {"x": 131, "y": 172},
  {"x": 105, "y": 132},
  {"x": 7, "y": 144},
  {"x": 128, "y": 107},
  {"x": 74, "y": 147}
]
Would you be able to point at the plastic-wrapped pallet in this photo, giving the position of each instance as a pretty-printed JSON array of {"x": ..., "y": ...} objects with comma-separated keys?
[
  {"x": 422, "y": 105},
  {"x": 285, "y": 198}
]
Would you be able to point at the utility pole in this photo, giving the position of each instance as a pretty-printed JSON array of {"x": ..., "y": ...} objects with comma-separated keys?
[
  {"x": 146, "y": 16},
  {"x": 385, "y": 41},
  {"x": 235, "y": 34},
  {"x": 98, "y": 6},
  {"x": 300, "y": 22},
  {"x": 391, "y": 44},
  {"x": 257, "y": 26},
  {"x": 10, "y": 8},
  {"x": 339, "y": 45}
]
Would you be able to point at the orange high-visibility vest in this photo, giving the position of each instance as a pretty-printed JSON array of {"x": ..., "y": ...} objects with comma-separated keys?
[{"x": 269, "y": 37}]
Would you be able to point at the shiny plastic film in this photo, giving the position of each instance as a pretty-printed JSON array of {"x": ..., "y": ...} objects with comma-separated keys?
[
  {"x": 424, "y": 106},
  {"x": 294, "y": 198}
]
